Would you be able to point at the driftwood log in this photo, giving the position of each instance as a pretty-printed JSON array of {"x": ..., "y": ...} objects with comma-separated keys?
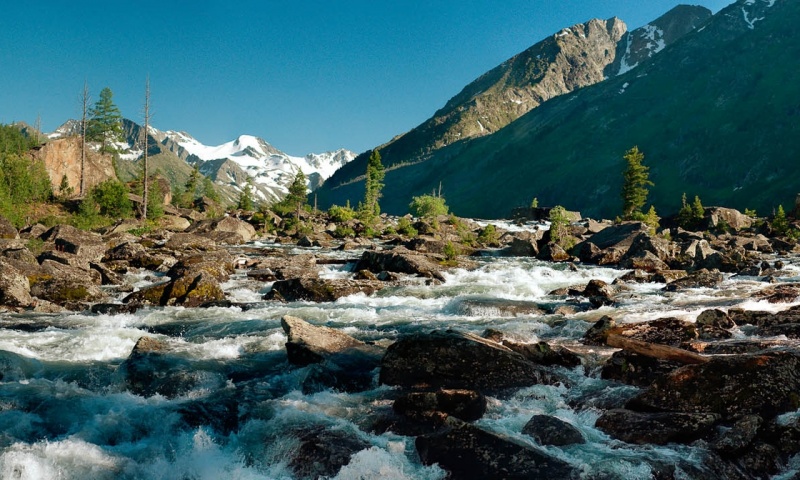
[{"x": 655, "y": 350}]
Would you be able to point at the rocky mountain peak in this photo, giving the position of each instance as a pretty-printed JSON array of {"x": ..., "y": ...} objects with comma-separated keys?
[{"x": 644, "y": 42}]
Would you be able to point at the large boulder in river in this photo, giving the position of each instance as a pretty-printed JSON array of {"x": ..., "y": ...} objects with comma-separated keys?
[
  {"x": 656, "y": 428},
  {"x": 322, "y": 451},
  {"x": 765, "y": 384},
  {"x": 549, "y": 430},
  {"x": 400, "y": 260},
  {"x": 467, "y": 451},
  {"x": 611, "y": 244},
  {"x": 307, "y": 343},
  {"x": 228, "y": 230},
  {"x": 451, "y": 359},
  {"x": 467, "y": 405},
  {"x": 320, "y": 289},
  {"x": 190, "y": 290},
  {"x": 217, "y": 264},
  {"x": 87, "y": 246}
]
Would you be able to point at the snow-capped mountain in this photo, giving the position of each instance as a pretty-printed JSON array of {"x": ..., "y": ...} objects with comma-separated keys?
[{"x": 230, "y": 164}]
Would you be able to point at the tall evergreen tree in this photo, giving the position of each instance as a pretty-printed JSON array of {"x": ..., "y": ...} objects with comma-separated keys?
[
  {"x": 246, "y": 197},
  {"x": 105, "y": 122},
  {"x": 370, "y": 209},
  {"x": 636, "y": 179},
  {"x": 297, "y": 197}
]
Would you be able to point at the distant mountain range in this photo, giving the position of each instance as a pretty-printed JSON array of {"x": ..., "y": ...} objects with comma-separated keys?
[
  {"x": 229, "y": 165},
  {"x": 711, "y": 101}
]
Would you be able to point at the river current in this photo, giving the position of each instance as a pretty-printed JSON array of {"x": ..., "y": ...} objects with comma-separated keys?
[{"x": 65, "y": 412}]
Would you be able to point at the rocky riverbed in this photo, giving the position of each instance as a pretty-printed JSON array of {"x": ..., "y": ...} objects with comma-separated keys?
[{"x": 210, "y": 350}]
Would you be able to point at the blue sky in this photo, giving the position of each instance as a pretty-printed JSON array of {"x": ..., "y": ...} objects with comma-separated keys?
[{"x": 307, "y": 76}]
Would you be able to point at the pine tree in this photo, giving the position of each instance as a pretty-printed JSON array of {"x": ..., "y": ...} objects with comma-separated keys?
[
  {"x": 246, "y": 197},
  {"x": 209, "y": 190},
  {"x": 636, "y": 179},
  {"x": 186, "y": 198},
  {"x": 698, "y": 211},
  {"x": 297, "y": 197},
  {"x": 371, "y": 209},
  {"x": 779, "y": 222},
  {"x": 105, "y": 123},
  {"x": 685, "y": 214}
]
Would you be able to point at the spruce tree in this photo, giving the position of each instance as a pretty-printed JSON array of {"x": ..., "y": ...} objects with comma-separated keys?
[
  {"x": 297, "y": 197},
  {"x": 246, "y": 197},
  {"x": 370, "y": 209},
  {"x": 105, "y": 122},
  {"x": 636, "y": 179}
]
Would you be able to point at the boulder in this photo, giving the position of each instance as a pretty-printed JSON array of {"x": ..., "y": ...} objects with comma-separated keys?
[
  {"x": 307, "y": 343},
  {"x": 664, "y": 331},
  {"x": 714, "y": 318},
  {"x": 540, "y": 353},
  {"x": 781, "y": 293},
  {"x": 451, "y": 359},
  {"x": 599, "y": 331},
  {"x": 63, "y": 284},
  {"x": 549, "y": 430},
  {"x": 656, "y": 428},
  {"x": 500, "y": 307},
  {"x": 15, "y": 289},
  {"x": 553, "y": 252},
  {"x": 174, "y": 223},
  {"x": 320, "y": 289},
  {"x": 764, "y": 384},
  {"x": 87, "y": 246},
  {"x": 719, "y": 217},
  {"x": 285, "y": 267},
  {"x": 599, "y": 293},
  {"x": 125, "y": 251},
  {"x": 400, "y": 260},
  {"x": 7, "y": 230},
  {"x": 467, "y": 405},
  {"x": 152, "y": 369},
  {"x": 635, "y": 369},
  {"x": 467, "y": 451},
  {"x": 189, "y": 241},
  {"x": 322, "y": 451},
  {"x": 228, "y": 230},
  {"x": 646, "y": 261},
  {"x": 739, "y": 436},
  {"x": 612, "y": 243},
  {"x": 524, "y": 244},
  {"x": 700, "y": 279},
  {"x": 217, "y": 264}
]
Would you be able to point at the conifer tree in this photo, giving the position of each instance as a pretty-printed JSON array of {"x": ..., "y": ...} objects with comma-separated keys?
[
  {"x": 209, "y": 190},
  {"x": 636, "y": 179},
  {"x": 246, "y": 197},
  {"x": 370, "y": 209},
  {"x": 297, "y": 197},
  {"x": 105, "y": 123},
  {"x": 779, "y": 222}
]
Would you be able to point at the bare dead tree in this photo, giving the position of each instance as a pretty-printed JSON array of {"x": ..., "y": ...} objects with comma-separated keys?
[
  {"x": 85, "y": 107},
  {"x": 37, "y": 127},
  {"x": 144, "y": 142}
]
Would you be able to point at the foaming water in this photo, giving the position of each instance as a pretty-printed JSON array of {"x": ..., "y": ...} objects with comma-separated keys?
[{"x": 68, "y": 410}]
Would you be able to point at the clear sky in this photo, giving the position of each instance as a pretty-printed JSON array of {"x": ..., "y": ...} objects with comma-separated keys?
[{"x": 307, "y": 76}]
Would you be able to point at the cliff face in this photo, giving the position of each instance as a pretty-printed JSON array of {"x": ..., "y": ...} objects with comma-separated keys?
[{"x": 63, "y": 157}]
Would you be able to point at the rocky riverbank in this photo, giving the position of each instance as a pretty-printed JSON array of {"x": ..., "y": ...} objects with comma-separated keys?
[{"x": 724, "y": 384}]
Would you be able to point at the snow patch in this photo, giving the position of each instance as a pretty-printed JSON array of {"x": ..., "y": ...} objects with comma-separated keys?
[{"x": 624, "y": 87}]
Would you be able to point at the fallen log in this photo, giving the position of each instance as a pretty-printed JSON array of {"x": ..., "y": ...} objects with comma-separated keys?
[{"x": 654, "y": 350}]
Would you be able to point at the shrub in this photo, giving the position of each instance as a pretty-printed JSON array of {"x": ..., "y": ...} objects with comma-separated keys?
[
  {"x": 112, "y": 199},
  {"x": 404, "y": 227},
  {"x": 341, "y": 214},
  {"x": 343, "y": 231},
  {"x": 428, "y": 206},
  {"x": 559, "y": 228},
  {"x": 450, "y": 252},
  {"x": 488, "y": 236}
]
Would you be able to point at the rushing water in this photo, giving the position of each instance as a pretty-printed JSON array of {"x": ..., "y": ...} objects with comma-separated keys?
[{"x": 65, "y": 411}]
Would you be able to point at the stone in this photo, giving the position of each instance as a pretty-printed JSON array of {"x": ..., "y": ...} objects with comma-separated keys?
[
  {"x": 400, "y": 260},
  {"x": 664, "y": 331},
  {"x": 739, "y": 436},
  {"x": 189, "y": 241},
  {"x": 764, "y": 384},
  {"x": 451, "y": 359},
  {"x": 719, "y": 217},
  {"x": 656, "y": 428},
  {"x": 634, "y": 369},
  {"x": 320, "y": 289},
  {"x": 467, "y": 451},
  {"x": 227, "y": 229},
  {"x": 497, "y": 307},
  {"x": 598, "y": 333},
  {"x": 599, "y": 293},
  {"x": 467, "y": 405},
  {"x": 216, "y": 264},
  {"x": 15, "y": 289},
  {"x": 307, "y": 343},
  {"x": 700, "y": 279},
  {"x": 322, "y": 451},
  {"x": 7, "y": 230},
  {"x": 549, "y": 430},
  {"x": 715, "y": 318}
]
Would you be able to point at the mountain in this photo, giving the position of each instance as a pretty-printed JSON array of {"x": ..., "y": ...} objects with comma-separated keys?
[
  {"x": 572, "y": 58},
  {"x": 716, "y": 115},
  {"x": 174, "y": 154}
]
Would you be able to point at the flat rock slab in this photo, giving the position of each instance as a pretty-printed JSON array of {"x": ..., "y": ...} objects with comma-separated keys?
[{"x": 309, "y": 344}]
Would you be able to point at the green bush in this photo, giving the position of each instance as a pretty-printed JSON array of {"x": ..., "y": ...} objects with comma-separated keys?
[
  {"x": 343, "y": 231},
  {"x": 341, "y": 214},
  {"x": 559, "y": 228},
  {"x": 404, "y": 227},
  {"x": 488, "y": 236},
  {"x": 112, "y": 199},
  {"x": 428, "y": 206}
]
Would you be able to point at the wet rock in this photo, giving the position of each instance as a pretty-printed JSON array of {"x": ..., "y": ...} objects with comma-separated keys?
[
  {"x": 739, "y": 436},
  {"x": 553, "y": 252},
  {"x": 64, "y": 285},
  {"x": 282, "y": 267},
  {"x": 497, "y": 307},
  {"x": 714, "y": 318},
  {"x": 761, "y": 460},
  {"x": 125, "y": 251},
  {"x": 309, "y": 343},
  {"x": 665, "y": 331},
  {"x": 400, "y": 260},
  {"x": 544, "y": 354},
  {"x": 668, "y": 276},
  {"x": 322, "y": 451},
  {"x": 699, "y": 279},
  {"x": 191, "y": 290},
  {"x": 598, "y": 333},
  {"x": 467, "y": 451},
  {"x": 151, "y": 369},
  {"x": 734, "y": 347},
  {"x": 656, "y": 428},
  {"x": 549, "y": 430},
  {"x": 781, "y": 293},
  {"x": 15, "y": 288},
  {"x": 645, "y": 261},
  {"x": 220, "y": 413},
  {"x": 108, "y": 276},
  {"x": 467, "y": 405},
  {"x": 764, "y": 384},
  {"x": 635, "y": 276},
  {"x": 113, "y": 308},
  {"x": 320, "y": 289},
  {"x": 611, "y": 244},
  {"x": 217, "y": 264},
  {"x": 634, "y": 369},
  {"x": 365, "y": 275},
  {"x": 524, "y": 244},
  {"x": 599, "y": 293},
  {"x": 451, "y": 359}
]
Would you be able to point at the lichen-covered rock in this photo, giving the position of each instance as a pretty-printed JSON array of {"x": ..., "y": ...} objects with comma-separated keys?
[
  {"x": 701, "y": 278},
  {"x": 307, "y": 343},
  {"x": 217, "y": 264},
  {"x": 765, "y": 384},
  {"x": 549, "y": 430},
  {"x": 191, "y": 290},
  {"x": 7, "y": 230},
  {"x": 467, "y": 451},
  {"x": 190, "y": 241},
  {"x": 656, "y": 428},
  {"x": 320, "y": 289},
  {"x": 451, "y": 359},
  {"x": 228, "y": 230}
]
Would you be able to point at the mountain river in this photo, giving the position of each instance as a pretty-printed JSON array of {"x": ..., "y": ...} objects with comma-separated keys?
[{"x": 65, "y": 411}]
